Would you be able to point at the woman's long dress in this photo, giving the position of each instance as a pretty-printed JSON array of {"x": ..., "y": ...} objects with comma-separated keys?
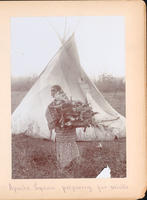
[{"x": 66, "y": 146}]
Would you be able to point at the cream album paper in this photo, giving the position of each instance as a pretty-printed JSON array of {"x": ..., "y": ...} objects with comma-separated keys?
[{"x": 73, "y": 100}]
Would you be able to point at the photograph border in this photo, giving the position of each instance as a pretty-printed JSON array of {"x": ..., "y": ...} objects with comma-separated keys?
[{"x": 134, "y": 11}]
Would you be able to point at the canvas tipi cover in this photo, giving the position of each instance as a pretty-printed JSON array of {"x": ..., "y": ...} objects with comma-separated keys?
[{"x": 65, "y": 70}]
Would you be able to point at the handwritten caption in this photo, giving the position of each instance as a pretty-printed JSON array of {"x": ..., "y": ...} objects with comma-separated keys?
[{"x": 66, "y": 188}]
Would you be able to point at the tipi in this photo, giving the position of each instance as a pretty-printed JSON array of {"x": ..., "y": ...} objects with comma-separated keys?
[{"x": 65, "y": 70}]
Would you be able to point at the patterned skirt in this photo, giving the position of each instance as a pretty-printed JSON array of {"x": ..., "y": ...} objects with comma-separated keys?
[{"x": 66, "y": 147}]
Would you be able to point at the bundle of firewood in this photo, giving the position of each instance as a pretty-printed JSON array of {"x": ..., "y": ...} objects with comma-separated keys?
[{"x": 75, "y": 114}]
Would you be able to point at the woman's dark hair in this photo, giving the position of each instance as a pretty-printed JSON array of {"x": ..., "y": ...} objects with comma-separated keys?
[{"x": 56, "y": 88}]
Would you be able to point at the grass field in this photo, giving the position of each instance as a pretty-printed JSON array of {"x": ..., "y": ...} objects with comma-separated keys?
[{"x": 36, "y": 158}]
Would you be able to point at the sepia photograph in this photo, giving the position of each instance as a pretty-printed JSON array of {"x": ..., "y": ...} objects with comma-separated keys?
[{"x": 68, "y": 89}]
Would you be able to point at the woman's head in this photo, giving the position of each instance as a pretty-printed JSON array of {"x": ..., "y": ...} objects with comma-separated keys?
[
  {"x": 55, "y": 89},
  {"x": 58, "y": 93}
]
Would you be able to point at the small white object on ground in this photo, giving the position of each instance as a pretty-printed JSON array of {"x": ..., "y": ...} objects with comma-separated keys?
[
  {"x": 105, "y": 173},
  {"x": 99, "y": 146}
]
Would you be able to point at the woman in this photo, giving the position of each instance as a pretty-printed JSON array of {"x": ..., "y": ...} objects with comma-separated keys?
[{"x": 66, "y": 147}]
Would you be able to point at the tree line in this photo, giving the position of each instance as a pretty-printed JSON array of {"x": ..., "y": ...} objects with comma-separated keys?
[
  {"x": 104, "y": 82},
  {"x": 22, "y": 83},
  {"x": 109, "y": 83}
]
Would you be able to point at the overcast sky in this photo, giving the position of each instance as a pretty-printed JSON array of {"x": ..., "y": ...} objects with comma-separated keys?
[{"x": 100, "y": 41}]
